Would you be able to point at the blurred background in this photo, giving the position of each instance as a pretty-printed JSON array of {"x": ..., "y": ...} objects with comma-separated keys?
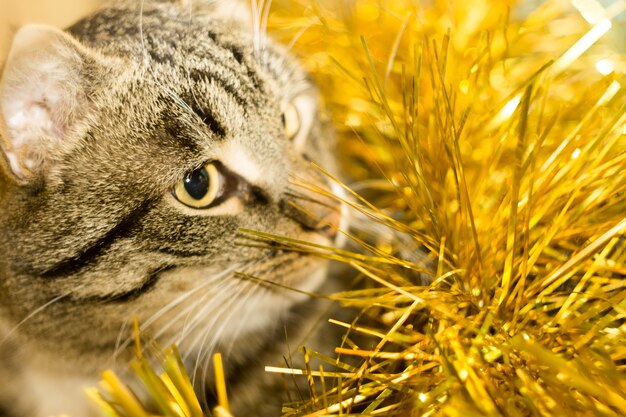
[{"x": 60, "y": 13}]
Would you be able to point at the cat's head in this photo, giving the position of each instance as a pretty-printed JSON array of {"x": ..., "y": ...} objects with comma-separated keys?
[{"x": 138, "y": 144}]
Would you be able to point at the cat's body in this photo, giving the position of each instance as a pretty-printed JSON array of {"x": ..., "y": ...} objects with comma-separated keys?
[{"x": 138, "y": 144}]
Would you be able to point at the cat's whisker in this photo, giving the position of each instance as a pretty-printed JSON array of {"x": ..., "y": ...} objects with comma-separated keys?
[
  {"x": 212, "y": 308},
  {"x": 186, "y": 330},
  {"x": 206, "y": 352},
  {"x": 256, "y": 23},
  {"x": 36, "y": 312},
  {"x": 265, "y": 294},
  {"x": 120, "y": 336},
  {"x": 157, "y": 315},
  {"x": 264, "y": 21},
  {"x": 188, "y": 325},
  {"x": 162, "y": 329},
  {"x": 215, "y": 313},
  {"x": 169, "y": 306},
  {"x": 218, "y": 315}
]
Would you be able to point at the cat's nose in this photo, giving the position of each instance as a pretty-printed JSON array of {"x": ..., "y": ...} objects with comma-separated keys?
[
  {"x": 329, "y": 225},
  {"x": 314, "y": 213}
]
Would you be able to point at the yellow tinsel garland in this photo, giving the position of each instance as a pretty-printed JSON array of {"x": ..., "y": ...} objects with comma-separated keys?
[{"x": 491, "y": 137}]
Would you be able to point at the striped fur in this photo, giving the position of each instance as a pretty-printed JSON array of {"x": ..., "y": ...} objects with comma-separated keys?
[{"x": 92, "y": 236}]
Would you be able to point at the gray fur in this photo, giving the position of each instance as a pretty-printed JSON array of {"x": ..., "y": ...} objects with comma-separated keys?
[{"x": 93, "y": 235}]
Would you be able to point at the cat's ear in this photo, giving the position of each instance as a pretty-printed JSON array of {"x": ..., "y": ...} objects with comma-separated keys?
[{"x": 43, "y": 94}]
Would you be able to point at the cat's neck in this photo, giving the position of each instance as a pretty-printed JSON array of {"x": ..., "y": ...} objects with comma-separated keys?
[
  {"x": 58, "y": 393},
  {"x": 39, "y": 385},
  {"x": 36, "y": 384}
]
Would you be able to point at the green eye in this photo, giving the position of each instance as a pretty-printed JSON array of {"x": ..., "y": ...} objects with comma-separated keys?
[
  {"x": 200, "y": 188},
  {"x": 291, "y": 121}
]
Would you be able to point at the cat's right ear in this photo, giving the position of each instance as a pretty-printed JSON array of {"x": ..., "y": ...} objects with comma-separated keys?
[{"x": 43, "y": 96}]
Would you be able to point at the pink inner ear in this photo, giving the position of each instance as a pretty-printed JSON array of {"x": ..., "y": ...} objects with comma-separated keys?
[
  {"x": 41, "y": 94},
  {"x": 34, "y": 106},
  {"x": 32, "y": 125},
  {"x": 34, "y": 116}
]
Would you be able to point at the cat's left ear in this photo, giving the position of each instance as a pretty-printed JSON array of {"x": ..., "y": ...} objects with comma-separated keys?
[{"x": 43, "y": 95}]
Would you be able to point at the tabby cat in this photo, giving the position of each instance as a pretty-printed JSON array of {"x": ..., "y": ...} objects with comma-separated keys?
[{"x": 137, "y": 144}]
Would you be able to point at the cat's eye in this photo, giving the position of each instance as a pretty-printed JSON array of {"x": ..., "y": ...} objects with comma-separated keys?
[
  {"x": 200, "y": 188},
  {"x": 291, "y": 120}
]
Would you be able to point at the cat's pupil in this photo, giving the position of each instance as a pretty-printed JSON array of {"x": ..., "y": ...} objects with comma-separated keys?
[{"x": 197, "y": 183}]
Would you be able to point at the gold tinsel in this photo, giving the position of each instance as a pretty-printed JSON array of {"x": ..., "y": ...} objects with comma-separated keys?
[{"x": 486, "y": 141}]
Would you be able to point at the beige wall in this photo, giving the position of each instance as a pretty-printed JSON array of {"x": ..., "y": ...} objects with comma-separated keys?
[{"x": 15, "y": 13}]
